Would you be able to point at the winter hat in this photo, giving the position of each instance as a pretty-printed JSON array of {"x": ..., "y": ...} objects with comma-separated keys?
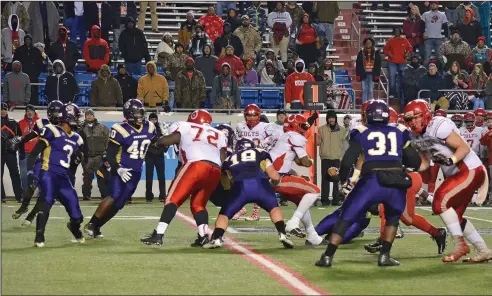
[
  {"x": 482, "y": 38},
  {"x": 178, "y": 45},
  {"x": 5, "y": 106},
  {"x": 90, "y": 112},
  {"x": 120, "y": 65},
  {"x": 331, "y": 114},
  {"x": 189, "y": 59},
  {"x": 244, "y": 17},
  {"x": 153, "y": 115},
  {"x": 281, "y": 111},
  {"x": 30, "y": 107}
]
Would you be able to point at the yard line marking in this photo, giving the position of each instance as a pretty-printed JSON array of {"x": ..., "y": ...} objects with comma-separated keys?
[
  {"x": 284, "y": 275},
  {"x": 467, "y": 217}
]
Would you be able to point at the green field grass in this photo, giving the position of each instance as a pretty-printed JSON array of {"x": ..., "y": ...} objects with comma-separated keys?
[{"x": 120, "y": 265}]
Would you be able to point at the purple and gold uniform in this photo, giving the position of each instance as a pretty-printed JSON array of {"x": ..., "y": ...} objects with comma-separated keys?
[
  {"x": 249, "y": 182},
  {"x": 39, "y": 125},
  {"x": 134, "y": 144}
]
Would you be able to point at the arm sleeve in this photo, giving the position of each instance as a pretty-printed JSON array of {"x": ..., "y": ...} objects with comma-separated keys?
[
  {"x": 349, "y": 159},
  {"x": 111, "y": 155},
  {"x": 33, "y": 156},
  {"x": 411, "y": 158}
]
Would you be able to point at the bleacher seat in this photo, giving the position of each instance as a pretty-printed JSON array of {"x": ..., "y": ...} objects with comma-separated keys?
[
  {"x": 339, "y": 72},
  {"x": 42, "y": 101},
  {"x": 42, "y": 77},
  {"x": 271, "y": 99},
  {"x": 249, "y": 97},
  {"x": 342, "y": 79}
]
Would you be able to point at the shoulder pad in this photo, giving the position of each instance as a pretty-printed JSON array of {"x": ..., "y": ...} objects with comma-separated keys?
[
  {"x": 401, "y": 127},
  {"x": 54, "y": 130},
  {"x": 39, "y": 123},
  {"x": 151, "y": 127},
  {"x": 361, "y": 128},
  {"x": 117, "y": 127},
  {"x": 79, "y": 140}
]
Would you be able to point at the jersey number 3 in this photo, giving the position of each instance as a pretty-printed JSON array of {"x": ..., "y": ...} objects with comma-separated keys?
[{"x": 381, "y": 144}]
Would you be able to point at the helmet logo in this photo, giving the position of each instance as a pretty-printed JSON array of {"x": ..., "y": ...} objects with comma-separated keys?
[
  {"x": 194, "y": 115},
  {"x": 70, "y": 110},
  {"x": 127, "y": 105}
]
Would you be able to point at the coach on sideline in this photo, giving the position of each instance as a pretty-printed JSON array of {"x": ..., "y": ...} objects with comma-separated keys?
[{"x": 155, "y": 158}]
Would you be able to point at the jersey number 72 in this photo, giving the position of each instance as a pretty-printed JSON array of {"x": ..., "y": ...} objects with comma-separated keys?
[{"x": 212, "y": 138}]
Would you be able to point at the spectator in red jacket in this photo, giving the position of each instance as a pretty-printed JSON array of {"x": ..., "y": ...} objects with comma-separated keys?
[
  {"x": 237, "y": 66},
  {"x": 397, "y": 49},
  {"x": 214, "y": 25},
  {"x": 413, "y": 28},
  {"x": 306, "y": 41},
  {"x": 294, "y": 86},
  {"x": 96, "y": 50},
  {"x": 26, "y": 126}
]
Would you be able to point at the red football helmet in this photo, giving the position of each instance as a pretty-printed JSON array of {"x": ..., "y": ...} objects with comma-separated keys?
[
  {"x": 393, "y": 116},
  {"x": 480, "y": 115},
  {"x": 252, "y": 115},
  {"x": 469, "y": 119},
  {"x": 417, "y": 115},
  {"x": 401, "y": 119},
  {"x": 440, "y": 112},
  {"x": 458, "y": 120},
  {"x": 200, "y": 116},
  {"x": 296, "y": 123},
  {"x": 489, "y": 115},
  {"x": 363, "y": 109}
]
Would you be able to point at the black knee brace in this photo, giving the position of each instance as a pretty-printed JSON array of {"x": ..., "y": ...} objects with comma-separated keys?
[
  {"x": 463, "y": 224},
  {"x": 395, "y": 221},
  {"x": 341, "y": 227}
]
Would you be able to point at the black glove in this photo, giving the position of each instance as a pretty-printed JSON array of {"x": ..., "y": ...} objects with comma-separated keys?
[
  {"x": 13, "y": 143},
  {"x": 32, "y": 180},
  {"x": 445, "y": 161},
  {"x": 165, "y": 107},
  {"x": 312, "y": 118}
]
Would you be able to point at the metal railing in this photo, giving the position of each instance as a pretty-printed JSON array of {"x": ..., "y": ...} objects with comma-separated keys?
[
  {"x": 447, "y": 90},
  {"x": 356, "y": 27},
  {"x": 381, "y": 85}
]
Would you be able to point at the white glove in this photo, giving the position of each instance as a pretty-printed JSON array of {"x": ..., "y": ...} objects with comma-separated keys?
[
  {"x": 164, "y": 128},
  {"x": 347, "y": 188},
  {"x": 124, "y": 174}
]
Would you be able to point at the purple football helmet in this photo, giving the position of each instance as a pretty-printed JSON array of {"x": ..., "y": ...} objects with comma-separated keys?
[
  {"x": 134, "y": 112},
  {"x": 229, "y": 132},
  {"x": 71, "y": 115},
  {"x": 378, "y": 112},
  {"x": 244, "y": 144},
  {"x": 54, "y": 111}
]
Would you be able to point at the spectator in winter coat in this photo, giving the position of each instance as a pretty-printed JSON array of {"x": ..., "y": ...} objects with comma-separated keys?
[
  {"x": 225, "y": 90},
  {"x": 484, "y": 16},
  {"x": 307, "y": 41},
  {"x": 47, "y": 64},
  {"x": 470, "y": 29},
  {"x": 133, "y": 47},
  {"x": 456, "y": 50},
  {"x": 460, "y": 11},
  {"x": 17, "y": 8},
  {"x": 368, "y": 68},
  {"x": 313, "y": 70},
  {"x": 12, "y": 38},
  {"x": 152, "y": 88},
  {"x": 174, "y": 65},
  {"x": 26, "y": 125},
  {"x": 294, "y": 86},
  {"x": 190, "y": 91},
  {"x": 65, "y": 49},
  {"x": 127, "y": 83},
  {"x": 235, "y": 63},
  {"x": 186, "y": 30},
  {"x": 482, "y": 54},
  {"x": 197, "y": 41},
  {"x": 44, "y": 26},
  {"x": 105, "y": 90},
  {"x": 250, "y": 39},
  {"x": 250, "y": 77},
  {"x": 32, "y": 64},
  {"x": 61, "y": 85},
  {"x": 226, "y": 39},
  {"x": 270, "y": 55},
  {"x": 257, "y": 16},
  {"x": 96, "y": 51},
  {"x": 433, "y": 82},
  {"x": 397, "y": 49},
  {"x": 165, "y": 49},
  {"x": 478, "y": 80},
  {"x": 233, "y": 19},
  {"x": 435, "y": 22},
  {"x": 122, "y": 12},
  {"x": 214, "y": 25},
  {"x": 279, "y": 21},
  {"x": 270, "y": 75},
  {"x": 413, "y": 28},
  {"x": 488, "y": 93},
  {"x": 411, "y": 76},
  {"x": 16, "y": 88},
  {"x": 296, "y": 14},
  {"x": 91, "y": 18},
  {"x": 73, "y": 16},
  {"x": 206, "y": 64},
  {"x": 327, "y": 12}
]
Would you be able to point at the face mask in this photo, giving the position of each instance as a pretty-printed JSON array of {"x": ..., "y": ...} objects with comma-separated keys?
[
  {"x": 415, "y": 65},
  {"x": 14, "y": 25},
  {"x": 227, "y": 30},
  {"x": 299, "y": 68},
  {"x": 189, "y": 67},
  {"x": 63, "y": 35}
]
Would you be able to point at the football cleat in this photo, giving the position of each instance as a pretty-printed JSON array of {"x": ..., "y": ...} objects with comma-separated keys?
[
  {"x": 39, "y": 244},
  {"x": 26, "y": 223},
  {"x": 254, "y": 217},
  {"x": 310, "y": 245},
  {"x": 373, "y": 247},
  {"x": 324, "y": 261},
  {"x": 441, "y": 240},
  {"x": 153, "y": 239},
  {"x": 39, "y": 240},
  {"x": 297, "y": 232},
  {"x": 386, "y": 260},
  {"x": 288, "y": 244},
  {"x": 238, "y": 215},
  {"x": 399, "y": 233},
  {"x": 480, "y": 257},
  {"x": 89, "y": 230},
  {"x": 21, "y": 211},
  {"x": 213, "y": 244},
  {"x": 78, "y": 240},
  {"x": 75, "y": 231},
  {"x": 200, "y": 241},
  {"x": 461, "y": 250}
]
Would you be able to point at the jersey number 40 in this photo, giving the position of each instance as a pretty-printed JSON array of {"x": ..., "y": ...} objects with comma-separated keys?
[{"x": 138, "y": 150}]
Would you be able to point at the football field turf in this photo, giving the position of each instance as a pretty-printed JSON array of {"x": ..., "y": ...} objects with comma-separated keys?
[{"x": 254, "y": 262}]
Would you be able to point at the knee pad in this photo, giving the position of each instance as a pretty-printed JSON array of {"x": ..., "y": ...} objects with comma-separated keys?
[
  {"x": 463, "y": 224},
  {"x": 341, "y": 227},
  {"x": 393, "y": 221}
]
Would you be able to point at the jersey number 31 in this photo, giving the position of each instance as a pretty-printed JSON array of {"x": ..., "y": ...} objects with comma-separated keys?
[{"x": 381, "y": 144}]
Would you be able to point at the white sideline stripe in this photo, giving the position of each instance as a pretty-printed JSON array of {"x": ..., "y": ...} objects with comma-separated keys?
[
  {"x": 278, "y": 270},
  {"x": 467, "y": 217}
]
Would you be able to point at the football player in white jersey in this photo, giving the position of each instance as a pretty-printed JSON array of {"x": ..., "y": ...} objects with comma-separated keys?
[
  {"x": 203, "y": 149},
  {"x": 472, "y": 134},
  {"x": 274, "y": 130},
  {"x": 437, "y": 139}
]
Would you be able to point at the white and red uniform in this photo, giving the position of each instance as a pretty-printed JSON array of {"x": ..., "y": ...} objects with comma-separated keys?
[
  {"x": 486, "y": 141},
  {"x": 473, "y": 137},
  {"x": 199, "y": 149},
  {"x": 289, "y": 146},
  {"x": 257, "y": 134},
  {"x": 273, "y": 132},
  {"x": 355, "y": 122},
  {"x": 461, "y": 179}
]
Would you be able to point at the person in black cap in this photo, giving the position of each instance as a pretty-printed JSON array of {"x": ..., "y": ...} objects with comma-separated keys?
[
  {"x": 127, "y": 83},
  {"x": 11, "y": 129},
  {"x": 155, "y": 158}
]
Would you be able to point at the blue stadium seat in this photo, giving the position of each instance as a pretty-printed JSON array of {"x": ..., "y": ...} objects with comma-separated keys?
[
  {"x": 342, "y": 79},
  {"x": 80, "y": 69},
  {"x": 265, "y": 85},
  {"x": 341, "y": 72},
  {"x": 270, "y": 99},
  {"x": 42, "y": 77},
  {"x": 85, "y": 77},
  {"x": 249, "y": 97},
  {"x": 42, "y": 101}
]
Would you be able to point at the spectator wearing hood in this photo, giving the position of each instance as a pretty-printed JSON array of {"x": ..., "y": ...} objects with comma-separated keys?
[
  {"x": 270, "y": 75},
  {"x": 198, "y": 41},
  {"x": 127, "y": 83},
  {"x": 307, "y": 40},
  {"x": 470, "y": 28},
  {"x": 105, "y": 90},
  {"x": 368, "y": 68},
  {"x": 153, "y": 15},
  {"x": 17, "y": 8},
  {"x": 258, "y": 17},
  {"x": 186, "y": 30},
  {"x": 26, "y": 124},
  {"x": 123, "y": 12},
  {"x": 411, "y": 76},
  {"x": 62, "y": 85},
  {"x": 235, "y": 63},
  {"x": 16, "y": 88},
  {"x": 484, "y": 17},
  {"x": 65, "y": 50},
  {"x": 413, "y": 28},
  {"x": 435, "y": 22},
  {"x": 96, "y": 50},
  {"x": 12, "y": 38},
  {"x": 433, "y": 81},
  {"x": 47, "y": 64},
  {"x": 460, "y": 13},
  {"x": 73, "y": 15},
  {"x": 279, "y": 21},
  {"x": 251, "y": 76},
  {"x": 457, "y": 50},
  {"x": 32, "y": 64},
  {"x": 165, "y": 49},
  {"x": 91, "y": 18},
  {"x": 227, "y": 39},
  {"x": 250, "y": 39},
  {"x": 206, "y": 64},
  {"x": 44, "y": 22},
  {"x": 331, "y": 138},
  {"x": 270, "y": 55},
  {"x": 190, "y": 91},
  {"x": 294, "y": 86},
  {"x": 482, "y": 54},
  {"x": 397, "y": 49},
  {"x": 152, "y": 88},
  {"x": 174, "y": 64},
  {"x": 313, "y": 70},
  {"x": 214, "y": 25},
  {"x": 133, "y": 47},
  {"x": 233, "y": 19},
  {"x": 225, "y": 90}
]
